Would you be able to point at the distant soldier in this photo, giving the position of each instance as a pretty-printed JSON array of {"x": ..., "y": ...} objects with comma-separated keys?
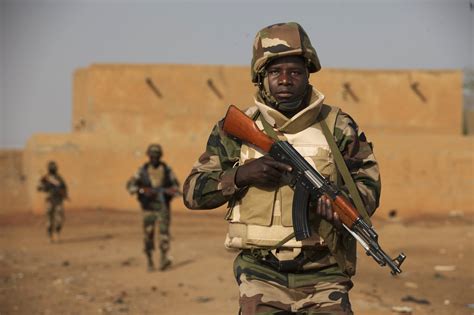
[
  {"x": 56, "y": 191},
  {"x": 155, "y": 185}
]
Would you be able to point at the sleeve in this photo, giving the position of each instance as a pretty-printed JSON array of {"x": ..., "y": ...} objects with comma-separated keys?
[
  {"x": 211, "y": 182},
  {"x": 360, "y": 159}
]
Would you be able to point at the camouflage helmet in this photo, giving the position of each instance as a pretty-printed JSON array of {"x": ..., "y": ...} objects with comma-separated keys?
[
  {"x": 154, "y": 149},
  {"x": 282, "y": 39},
  {"x": 52, "y": 166}
]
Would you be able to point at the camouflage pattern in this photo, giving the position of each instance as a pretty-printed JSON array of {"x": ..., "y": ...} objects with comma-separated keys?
[
  {"x": 264, "y": 290},
  {"x": 156, "y": 208},
  {"x": 211, "y": 184},
  {"x": 56, "y": 192},
  {"x": 55, "y": 217},
  {"x": 211, "y": 181},
  {"x": 278, "y": 40}
]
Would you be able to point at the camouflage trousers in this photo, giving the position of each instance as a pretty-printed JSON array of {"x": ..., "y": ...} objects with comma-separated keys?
[
  {"x": 150, "y": 218},
  {"x": 55, "y": 216},
  {"x": 265, "y": 290}
]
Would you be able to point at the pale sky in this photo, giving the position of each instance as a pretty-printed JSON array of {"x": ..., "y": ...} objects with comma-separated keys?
[{"x": 42, "y": 42}]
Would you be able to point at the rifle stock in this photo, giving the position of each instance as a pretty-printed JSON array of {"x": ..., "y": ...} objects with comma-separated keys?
[{"x": 241, "y": 126}]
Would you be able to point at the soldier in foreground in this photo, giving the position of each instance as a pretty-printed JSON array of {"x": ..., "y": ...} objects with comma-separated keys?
[
  {"x": 155, "y": 185},
  {"x": 56, "y": 192},
  {"x": 276, "y": 273}
]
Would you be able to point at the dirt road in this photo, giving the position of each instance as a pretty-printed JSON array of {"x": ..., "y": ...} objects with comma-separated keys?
[{"x": 99, "y": 268}]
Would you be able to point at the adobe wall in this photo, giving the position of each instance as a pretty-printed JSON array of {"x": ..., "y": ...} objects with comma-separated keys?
[
  {"x": 12, "y": 182},
  {"x": 422, "y": 174},
  {"x": 395, "y": 101},
  {"x": 425, "y": 173},
  {"x": 94, "y": 168},
  {"x": 119, "y": 109}
]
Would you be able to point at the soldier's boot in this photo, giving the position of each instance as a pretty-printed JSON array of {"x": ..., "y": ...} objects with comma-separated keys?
[
  {"x": 149, "y": 258},
  {"x": 56, "y": 234},
  {"x": 149, "y": 247},
  {"x": 50, "y": 234},
  {"x": 165, "y": 261}
]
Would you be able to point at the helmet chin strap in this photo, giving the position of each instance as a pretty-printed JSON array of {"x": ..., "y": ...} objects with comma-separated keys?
[{"x": 269, "y": 99}]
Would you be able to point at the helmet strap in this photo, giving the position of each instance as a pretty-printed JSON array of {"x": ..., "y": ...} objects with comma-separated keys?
[{"x": 265, "y": 94}]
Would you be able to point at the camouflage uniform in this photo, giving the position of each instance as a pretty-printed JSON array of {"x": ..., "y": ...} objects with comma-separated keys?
[
  {"x": 56, "y": 191},
  {"x": 321, "y": 284},
  {"x": 156, "y": 207}
]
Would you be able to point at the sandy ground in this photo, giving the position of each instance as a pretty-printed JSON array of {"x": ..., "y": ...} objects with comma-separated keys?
[{"x": 98, "y": 267}]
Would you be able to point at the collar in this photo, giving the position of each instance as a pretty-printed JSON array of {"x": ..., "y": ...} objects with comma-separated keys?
[{"x": 300, "y": 121}]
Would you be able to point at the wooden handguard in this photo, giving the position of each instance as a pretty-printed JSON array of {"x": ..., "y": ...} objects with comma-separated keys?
[
  {"x": 346, "y": 211},
  {"x": 243, "y": 127}
]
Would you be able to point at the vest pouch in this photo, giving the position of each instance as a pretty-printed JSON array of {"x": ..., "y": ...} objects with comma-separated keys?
[
  {"x": 257, "y": 206},
  {"x": 324, "y": 162}
]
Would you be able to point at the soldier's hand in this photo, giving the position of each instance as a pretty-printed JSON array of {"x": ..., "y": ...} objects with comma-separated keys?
[
  {"x": 261, "y": 172},
  {"x": 324, "y": 209}
]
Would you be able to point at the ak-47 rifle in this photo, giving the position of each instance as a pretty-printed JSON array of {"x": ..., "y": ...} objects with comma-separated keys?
[{"x": 309, "y": 184}]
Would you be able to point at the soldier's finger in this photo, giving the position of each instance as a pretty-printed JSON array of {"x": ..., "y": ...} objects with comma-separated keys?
[
  {"x": 329, "y": 212},
  {"x": 268, "y": 172},
  {"x": 282, "y": 167}
]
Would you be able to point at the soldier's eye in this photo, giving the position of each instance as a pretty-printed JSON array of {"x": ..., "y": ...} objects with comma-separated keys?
[{"x": 273, "y": 73}]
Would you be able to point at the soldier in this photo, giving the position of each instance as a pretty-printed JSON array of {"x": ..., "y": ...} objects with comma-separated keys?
[
  {"x": 275, "y": 274},
  {"x": 56, "y": 192},
  {"x": 155, "y": 185}
]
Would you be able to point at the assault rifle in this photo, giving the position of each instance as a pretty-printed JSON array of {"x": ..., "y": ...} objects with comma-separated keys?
[
  {"x": 55, "y": 190},
  {"x": 309, "y": 185},
  {"x": 160, "y": 190}
]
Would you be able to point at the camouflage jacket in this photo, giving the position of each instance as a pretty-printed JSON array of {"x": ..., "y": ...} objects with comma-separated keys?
[
  {"x": 211, "y": 182},
  {"x": 142, "y": 179},
  {"x": 54, "y": 186}
]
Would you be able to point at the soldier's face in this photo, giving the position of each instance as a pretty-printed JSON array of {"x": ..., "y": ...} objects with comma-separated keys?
[
  {"x": 155, "y": 158},
  {"x": 287, "y": 78},
  {"x": 52, "y": 168}
]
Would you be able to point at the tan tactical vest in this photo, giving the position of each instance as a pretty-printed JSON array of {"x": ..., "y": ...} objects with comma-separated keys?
[
  {"x": 157, "y": 175},
  {"x": 264, "y": 217}
]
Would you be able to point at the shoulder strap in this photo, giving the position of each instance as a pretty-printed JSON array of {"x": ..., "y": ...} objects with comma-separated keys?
[
  {"x": 342, "y": 167},
  {"x": 266, "y": 126}
]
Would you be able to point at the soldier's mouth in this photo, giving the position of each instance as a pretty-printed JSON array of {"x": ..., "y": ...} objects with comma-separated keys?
[{"x": 284, "y": 95}]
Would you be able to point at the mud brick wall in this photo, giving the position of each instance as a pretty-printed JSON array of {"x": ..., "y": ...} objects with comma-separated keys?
[
  {"x": 414, "y": 119},
  {"x": 13, "y": 197}
]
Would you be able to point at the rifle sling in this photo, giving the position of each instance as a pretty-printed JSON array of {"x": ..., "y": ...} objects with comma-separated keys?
[
  {"x": 346, "y": 176},
  {"x": 268, "y": 128}
]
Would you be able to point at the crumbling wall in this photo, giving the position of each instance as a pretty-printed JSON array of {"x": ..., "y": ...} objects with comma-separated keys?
[
  {"x": 12, "y": 182},
  {"x": 414, "y": 119}
]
